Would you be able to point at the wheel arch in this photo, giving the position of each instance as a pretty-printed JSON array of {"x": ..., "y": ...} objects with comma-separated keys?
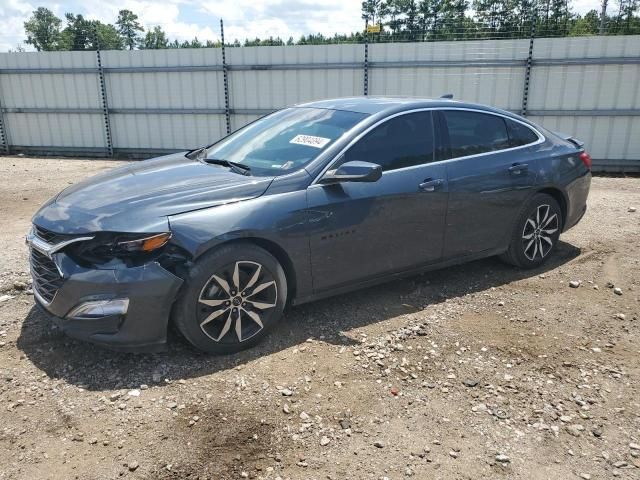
[
  {"x": 560, "y": 197},
  {"x": 274, "y": 249}
]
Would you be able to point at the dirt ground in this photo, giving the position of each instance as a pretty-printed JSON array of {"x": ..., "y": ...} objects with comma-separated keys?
[{"x": 476, "y": 371}]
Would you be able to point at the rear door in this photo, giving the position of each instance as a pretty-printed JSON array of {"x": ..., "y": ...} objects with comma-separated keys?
[
  {"x": 490, "y": 173},
  {"x": 363, "y": 230}
]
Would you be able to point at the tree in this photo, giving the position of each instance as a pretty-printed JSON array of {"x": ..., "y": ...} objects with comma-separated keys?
[
  {"x": 411, "y": 20},
  {"x": 428, "y": 16},
  {"x": 129, "y": 28},
  {"x": 78, "y": 34},
  {"x": 43, "y": 30},
  {"x": 83, "y": 34},
  {"x": 626, "y": 12},
  {"x": 559, "y": 17},
  {"x": 155, "y": 39},
  {"x": 587, "y": 25},
  {"x": 107, "y": 36},
  {"x": 372, "y": 11},
  {"x": 396, "y": 9},
  {"x": 195, "y": 43}
]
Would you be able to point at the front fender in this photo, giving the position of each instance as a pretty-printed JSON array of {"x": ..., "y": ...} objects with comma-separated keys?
[{"x": 279, "y": 219}]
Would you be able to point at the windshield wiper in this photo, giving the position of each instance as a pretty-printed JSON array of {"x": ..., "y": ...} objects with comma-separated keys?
[{"x": 234, "y": 166}]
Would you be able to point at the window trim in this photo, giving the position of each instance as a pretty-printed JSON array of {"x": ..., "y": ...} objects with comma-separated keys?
[
  {"x": 541, "y": 139},
  {"x": 370, "y": 129}
]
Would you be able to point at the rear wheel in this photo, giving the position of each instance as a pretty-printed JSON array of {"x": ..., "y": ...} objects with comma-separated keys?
[
  {"x": 535, "y": 233},
  {"x": 232, "y": 298}
]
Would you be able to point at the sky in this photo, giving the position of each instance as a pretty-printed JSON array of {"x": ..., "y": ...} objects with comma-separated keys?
[{"x": 185, "y": 19}]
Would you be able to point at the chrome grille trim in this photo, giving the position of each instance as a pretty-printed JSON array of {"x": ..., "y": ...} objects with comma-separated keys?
[
  {"x": 46, "y": 278},
  {"x": 46, "y": 273}
]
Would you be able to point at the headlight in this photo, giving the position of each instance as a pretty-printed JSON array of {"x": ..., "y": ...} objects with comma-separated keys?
[
  {"x": 144, "y": 244},
  {"x": 108, "y": 247}
]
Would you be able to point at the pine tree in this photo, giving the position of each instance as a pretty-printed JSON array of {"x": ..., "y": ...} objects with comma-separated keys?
[
  {"x": 129, "y": 28},
  {"x": 155, "y": 39}
]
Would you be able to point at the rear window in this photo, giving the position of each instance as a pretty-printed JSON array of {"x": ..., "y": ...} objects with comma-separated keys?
[
  {"x": 471, "y": 133},
  {"x": 520, "y": 134}
]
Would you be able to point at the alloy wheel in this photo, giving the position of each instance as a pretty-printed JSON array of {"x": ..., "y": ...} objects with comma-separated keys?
[
  {"x": 538, "y": 233},
  {"x": 236, "y": 302}
]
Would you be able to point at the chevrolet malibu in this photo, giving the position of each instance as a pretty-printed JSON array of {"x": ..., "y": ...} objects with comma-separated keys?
[{"x": 307, "y": 202}]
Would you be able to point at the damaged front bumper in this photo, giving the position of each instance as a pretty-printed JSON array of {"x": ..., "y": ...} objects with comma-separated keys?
[{"x": 124, "y": 309}]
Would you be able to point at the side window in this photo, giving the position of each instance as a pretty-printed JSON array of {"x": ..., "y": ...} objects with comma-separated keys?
[
  {"x": 520, "y": 134},
  {"x": 403, "y": 141},
  {"x": 471, "y": 133}
]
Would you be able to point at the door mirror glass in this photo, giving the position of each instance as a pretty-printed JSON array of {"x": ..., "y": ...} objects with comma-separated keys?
[{"x": 353, "y": 171}]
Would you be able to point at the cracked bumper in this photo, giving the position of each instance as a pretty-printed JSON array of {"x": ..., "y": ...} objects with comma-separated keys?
[{"x": 150, "y": 289}]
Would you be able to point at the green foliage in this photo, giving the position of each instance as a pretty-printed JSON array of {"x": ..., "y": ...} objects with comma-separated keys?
[
  {"x": 78, "y": 34},
  {"x": 129, "y": 28},
  {"x": 155, "y": 39},
  {"x": 400, "y": 20},
  {"x": 587, "y": 25},
  {"x": 43, "y": 30},
  {"x": 108, "y": 36}
]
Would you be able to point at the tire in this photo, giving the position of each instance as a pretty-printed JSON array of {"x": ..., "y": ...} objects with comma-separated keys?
[
  {"x": 535, "y": 233},
  {"x": 237, "y": 281}
]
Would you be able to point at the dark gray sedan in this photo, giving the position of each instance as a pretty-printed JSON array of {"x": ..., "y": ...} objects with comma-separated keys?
[{"x": 307, "y": 202}]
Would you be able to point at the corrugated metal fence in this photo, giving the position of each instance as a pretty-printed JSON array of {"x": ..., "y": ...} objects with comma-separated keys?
[{"x": 154, "y": 101}]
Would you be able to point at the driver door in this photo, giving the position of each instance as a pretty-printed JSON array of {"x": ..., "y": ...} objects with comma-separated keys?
[{"x": 362, "y": 230}]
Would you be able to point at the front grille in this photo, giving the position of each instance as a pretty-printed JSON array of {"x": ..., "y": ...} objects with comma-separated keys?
[
  {"x": 46, "y": 279},
  {"x": 49, "y": 236}
]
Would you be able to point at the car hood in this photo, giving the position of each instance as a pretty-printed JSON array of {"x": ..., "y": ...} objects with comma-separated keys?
[{"x": 139, "y": 196}]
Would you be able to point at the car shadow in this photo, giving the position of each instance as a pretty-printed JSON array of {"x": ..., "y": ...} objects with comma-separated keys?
[{"x": 329, "y": 320}]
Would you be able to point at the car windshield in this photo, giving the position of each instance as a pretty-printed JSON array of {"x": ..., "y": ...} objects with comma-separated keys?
[{"x": 284, "y": 141}]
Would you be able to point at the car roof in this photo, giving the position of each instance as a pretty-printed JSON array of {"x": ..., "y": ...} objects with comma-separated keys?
[{"x": 378, "y": 104}]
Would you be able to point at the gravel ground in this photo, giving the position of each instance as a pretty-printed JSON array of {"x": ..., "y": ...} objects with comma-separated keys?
[{"x": 476, "y": 371}]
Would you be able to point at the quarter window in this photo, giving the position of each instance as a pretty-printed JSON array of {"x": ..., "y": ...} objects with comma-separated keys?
[
  {"x": 520, "y": 134},
  {"x": 471, "y": 133},
  {"x": 403, "y": 141}
]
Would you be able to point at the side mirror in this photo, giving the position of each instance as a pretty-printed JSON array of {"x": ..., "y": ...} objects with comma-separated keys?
[{"x": 354, "y": 171}]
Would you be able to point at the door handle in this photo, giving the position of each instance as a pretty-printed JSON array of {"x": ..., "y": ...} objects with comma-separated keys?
[
  {"x": 518, "y": 168},
  {"x": 430, "y": 185}
]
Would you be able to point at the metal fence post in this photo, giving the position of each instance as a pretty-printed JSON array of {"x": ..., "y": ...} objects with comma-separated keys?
[
  {"x": 527, "y": 73},
  {"x": 4, "y": 138},
  {"x": 103, "y": 99},
  {"x": 225, "y": 75},
  {"x": 366, "y": 57}
]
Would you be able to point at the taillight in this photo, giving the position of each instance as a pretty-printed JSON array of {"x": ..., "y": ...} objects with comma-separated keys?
[{"x": 586, "y": 159}]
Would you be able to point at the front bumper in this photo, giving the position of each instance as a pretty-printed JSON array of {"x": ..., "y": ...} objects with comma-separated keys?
[{"x": 150, "y": 290}]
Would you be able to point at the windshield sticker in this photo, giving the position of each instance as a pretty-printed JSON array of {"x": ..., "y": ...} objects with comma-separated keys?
[{"x": 310, "y": 141}]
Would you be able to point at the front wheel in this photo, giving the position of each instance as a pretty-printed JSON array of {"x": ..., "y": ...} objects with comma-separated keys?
[
  {"x": 232, "y": 298},
  {"x": 536, "y": 232}
]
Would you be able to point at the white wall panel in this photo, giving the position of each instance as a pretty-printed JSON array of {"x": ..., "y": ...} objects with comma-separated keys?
[
  {"x": 55, "y": 129},
  {"x": 265, "y": 78},
  {"x": 274, "y": 88},
  {"x": 605, "y": 137},
  {"x": 485, "y": 50},
  {"x": 585, "y": 87},
  {"x": 500, "y": 87},
  {"x": 165, "y": 131}
]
